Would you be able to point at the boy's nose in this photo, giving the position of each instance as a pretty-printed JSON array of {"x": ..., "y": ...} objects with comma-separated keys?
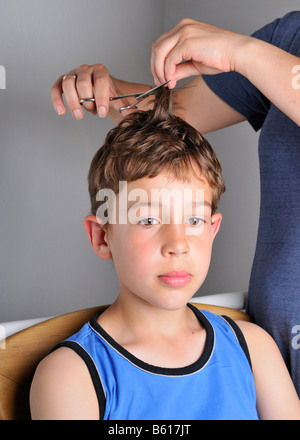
[{"x": 175, "y": 242}]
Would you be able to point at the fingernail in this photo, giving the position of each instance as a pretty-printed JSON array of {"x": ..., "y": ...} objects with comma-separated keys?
[
  {"x": 102, "y": 111},
  {"x": 60, "y": 110},
  {"x": 77, "y": 113}
]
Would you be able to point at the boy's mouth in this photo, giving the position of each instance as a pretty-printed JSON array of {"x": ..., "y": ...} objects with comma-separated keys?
[{"x": 176, "y": 278}]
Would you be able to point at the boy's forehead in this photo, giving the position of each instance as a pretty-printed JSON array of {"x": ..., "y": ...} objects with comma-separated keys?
[
  {"x": 165, "y": 190},
  {"x": 168, "y": 181}
]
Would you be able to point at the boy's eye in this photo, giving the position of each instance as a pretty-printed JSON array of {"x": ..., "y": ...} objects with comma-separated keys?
[
  {"x": 149, "y": 221},
  {"x": 194, "y": 221}
]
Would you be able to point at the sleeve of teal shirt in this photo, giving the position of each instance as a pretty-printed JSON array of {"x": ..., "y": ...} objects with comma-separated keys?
[{"x": 238, "y": 91}]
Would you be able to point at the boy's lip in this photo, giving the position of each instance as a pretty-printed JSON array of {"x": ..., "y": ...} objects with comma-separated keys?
[{"x": 176, "y": 278}]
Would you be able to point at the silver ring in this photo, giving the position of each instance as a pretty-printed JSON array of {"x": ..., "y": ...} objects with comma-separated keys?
[
  {"x": 69, "y": 74},
  {"x": 82, "y": 101}
]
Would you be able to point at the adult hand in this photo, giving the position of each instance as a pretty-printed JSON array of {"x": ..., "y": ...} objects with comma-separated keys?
[
  {"x": 91, "y": 82},
  {"x": 193, "y": 48}
]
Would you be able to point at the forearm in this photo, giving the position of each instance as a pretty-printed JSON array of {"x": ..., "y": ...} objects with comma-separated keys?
[{"x": 273, "y": 72}]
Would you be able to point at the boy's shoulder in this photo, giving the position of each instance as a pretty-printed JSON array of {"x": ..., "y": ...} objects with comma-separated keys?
[
  {"x": 261, "y": 345},
  {"x": 250, "y": 329},
  {"x": 60, "y": 384},
  {"x": 253, "y": 333}
]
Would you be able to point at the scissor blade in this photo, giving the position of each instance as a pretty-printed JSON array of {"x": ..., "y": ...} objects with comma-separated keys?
[
  {"x": 131, "y": 95},
  {"x": 150, "y": 92},
  {"x": 82, "y": 101},
  {"x": 140, "y": 95}
]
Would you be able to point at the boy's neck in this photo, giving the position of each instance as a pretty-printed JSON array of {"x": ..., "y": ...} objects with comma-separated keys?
[{"x": 139, "y": 318}]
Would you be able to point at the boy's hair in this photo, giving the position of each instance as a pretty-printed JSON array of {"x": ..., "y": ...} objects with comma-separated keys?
[{"x": 146, "y": 143}]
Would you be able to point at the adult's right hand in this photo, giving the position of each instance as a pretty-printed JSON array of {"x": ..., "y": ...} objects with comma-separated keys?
[{"x": 89, "y": 82}]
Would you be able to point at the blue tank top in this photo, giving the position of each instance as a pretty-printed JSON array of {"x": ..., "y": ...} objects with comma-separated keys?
[{"x": 218, "y": 386}]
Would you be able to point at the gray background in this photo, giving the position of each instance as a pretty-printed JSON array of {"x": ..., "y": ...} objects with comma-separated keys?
[{"x": 46, "y": 264}]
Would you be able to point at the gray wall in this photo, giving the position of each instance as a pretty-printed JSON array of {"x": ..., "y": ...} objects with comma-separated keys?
[{"x": 46, "y": 264}]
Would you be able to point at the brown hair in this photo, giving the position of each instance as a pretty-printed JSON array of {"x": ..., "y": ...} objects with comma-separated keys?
[{"x": 145, "y": 143}]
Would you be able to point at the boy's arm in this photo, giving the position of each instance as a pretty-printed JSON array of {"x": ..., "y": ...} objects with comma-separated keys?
[
  {"x": 276, "y": 396},
  {"x": 62, "y": 389}
]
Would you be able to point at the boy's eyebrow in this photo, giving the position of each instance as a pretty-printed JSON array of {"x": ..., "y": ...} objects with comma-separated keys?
[
  {"x": 141, "y": 204},
  {"x": 158, "y": 204},
  {"x": 204, "y": 203}
]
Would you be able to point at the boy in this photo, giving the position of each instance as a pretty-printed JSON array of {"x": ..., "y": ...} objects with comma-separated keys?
[{"x": 150, "y": 355}]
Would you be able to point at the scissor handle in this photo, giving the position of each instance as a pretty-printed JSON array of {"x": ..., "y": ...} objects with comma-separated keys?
[
  {"x": 82, "y": 101},
  {"x": 134, "y": 106}
]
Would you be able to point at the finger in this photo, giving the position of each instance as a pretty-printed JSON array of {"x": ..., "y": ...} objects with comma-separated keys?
[
  {"x": 156, "y": 66},
  {"x": 101, "y": 81},
  {"x": 160, "y": 52},
  {"x": 161, "y": 48},
  {"x": 71, "y": 95},
  {"x": 84, "y": 86},
  {"x": 178, "y": 65},
  {"x": 185, "y": 70},
  {"x": 56, "y": 97}
]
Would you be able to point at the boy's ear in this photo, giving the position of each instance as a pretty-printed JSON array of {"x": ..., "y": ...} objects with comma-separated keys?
[
  {"x": 97, "y": 235},
  {"x": 215, "y": 223}
]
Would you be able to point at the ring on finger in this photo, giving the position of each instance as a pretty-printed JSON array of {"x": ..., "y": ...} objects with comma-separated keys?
[{"x": 69, "y": 74}]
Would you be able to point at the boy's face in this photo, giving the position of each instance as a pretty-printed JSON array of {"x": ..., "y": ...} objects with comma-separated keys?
[{"x": 162, "y": 252}]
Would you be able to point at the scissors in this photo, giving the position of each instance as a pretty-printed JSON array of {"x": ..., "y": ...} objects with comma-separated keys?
[{"x": 138, "y": 97}]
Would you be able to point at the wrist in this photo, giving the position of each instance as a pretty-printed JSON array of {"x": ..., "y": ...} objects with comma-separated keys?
[{"x": 245, "y": 54}]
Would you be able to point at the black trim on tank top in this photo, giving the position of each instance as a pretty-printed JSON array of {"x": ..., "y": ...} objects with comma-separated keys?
[
  {"x": 240, "y": 337},
  {"x": 163, "y": 371}
]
